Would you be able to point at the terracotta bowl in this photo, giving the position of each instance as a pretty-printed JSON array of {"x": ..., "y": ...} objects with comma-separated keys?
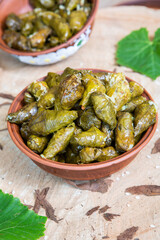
[
  {"x": 51, "y": 55},
  {"x": 73, "y": 171}
]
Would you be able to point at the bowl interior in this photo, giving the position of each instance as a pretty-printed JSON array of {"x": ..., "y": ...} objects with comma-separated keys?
[
  {"x": 16, "y": 137},
  {"x": 22, "y": 6}
]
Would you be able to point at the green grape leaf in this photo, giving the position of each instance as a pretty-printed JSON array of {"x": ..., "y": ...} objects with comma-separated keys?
[
  {"x": 137, "y": 52},
  {"x": 17, "y": 222}
]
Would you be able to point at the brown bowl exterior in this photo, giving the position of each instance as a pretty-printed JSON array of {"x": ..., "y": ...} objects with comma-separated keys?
[
  {"x": 46, "y": 56},
  {"x": 73, "y": 171}
]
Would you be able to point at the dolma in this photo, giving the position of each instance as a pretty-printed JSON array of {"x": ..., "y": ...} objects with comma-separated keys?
[
  {"x": 119, "y": 90},
  {"x": 47, "y": 3},
  {"x": 86, "y": 75},
  {"x": 89, "y": 154},
  {"x": 57, "y": 104},
  {"x": 137, "y": 138},
  {"x": 21, "y": 43},
  {"x": 61, "y": 28},
  {"x": 91, "y": 138},
  {"x": 69, "y": 72},
  {"x": 71, "y": 90},
  {"x": 136, "y": 89},
  {"x": 87, "y": 7},
  {"x": 104, "y": 108},
  {"x": 47, "y": 100},
  {"x": 13, "y": 22},
  {"x": 49, "y": 24},
  {"x": 10, "y": 37},
  {"x": 52, "y": 79},
  {"x": 37, "y": 143},
  {"x": 109, "y": 133},
  {"x": 24, "y": 114},
  {"x": 38, "y": 89},
  {"x": 88, "y": 119},
  {"x": 71, "y": 4},
  {"x": 53, "y": 41},
  {"x": 144, "y": 117},
  {"x": 25, "y": 130},
  {"x": 28, "y": 98},
  {"x": 107, "y": 153},
  {"x": 75, "y": 148},
  {"x": 58, "y": 158},
  {"x": 135, "y": 102},
  {"x": 58, "y": 142},
  {"x": 47, "y": 17},
  {"x": 93, "y": 85},
  {"x": 27, "y": 17},
  {"x": 77, "y": 130},
  {"x": 27, "y": 28},
  {"x": 103, "y": 78},
  {"x": 49, "y": 121},
  {"x": 72, "y": 157},
  {"x": 38, "y": 25},
  {"x": 124, "y": 133},
  {"x": 63, "y": 13},
  {"x": 114, "y": 78},
  {"x": 76, "y": 20},
  {"x": 37, "y": 40}
]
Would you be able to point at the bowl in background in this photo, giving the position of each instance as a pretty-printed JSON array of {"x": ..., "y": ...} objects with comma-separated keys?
[
  {"x": 82, "y": 171},
  {"x": 51, "y": 55}
]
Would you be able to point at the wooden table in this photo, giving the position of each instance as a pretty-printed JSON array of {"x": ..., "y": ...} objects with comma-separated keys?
[{"x": 21, "y": 177}]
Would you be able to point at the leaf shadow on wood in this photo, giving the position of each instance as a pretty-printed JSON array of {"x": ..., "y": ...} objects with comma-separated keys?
[
  {"x": 156, "y": 147},
  {"x": 40, "y": 201},
  {"x": 98, "y": 185},
  {"x": 128, "y": 234},
  {"x": 92, "y": 210},
  {"x": 110, "y": 216},
  {"x": 147, "y": 190},
  {"x": 6, "y": 96}
]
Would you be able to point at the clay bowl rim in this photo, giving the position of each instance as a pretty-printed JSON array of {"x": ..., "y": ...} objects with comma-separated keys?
[
  {"x": 90, "y": 20},
  {"x": 17, "y": 139}
]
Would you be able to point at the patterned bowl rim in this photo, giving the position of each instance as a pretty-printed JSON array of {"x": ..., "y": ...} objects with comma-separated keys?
[
  {"x": 17, "y": 139},
  {"x": 90, "y": 20}
]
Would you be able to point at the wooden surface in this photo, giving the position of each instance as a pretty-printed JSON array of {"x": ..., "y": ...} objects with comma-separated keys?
[
  {"x": 107, "y": 3},
  {"x": 21, "y": 177}
]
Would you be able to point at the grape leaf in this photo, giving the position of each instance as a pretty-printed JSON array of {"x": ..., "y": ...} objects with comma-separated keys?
[
  {"x": 17, "y": 221},
  {"x": 137, "y": 52}
]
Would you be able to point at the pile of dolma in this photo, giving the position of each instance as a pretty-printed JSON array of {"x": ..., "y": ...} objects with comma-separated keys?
[
  {"x": 51, "y": 23},
  {"x": 83, "y": 116}
]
